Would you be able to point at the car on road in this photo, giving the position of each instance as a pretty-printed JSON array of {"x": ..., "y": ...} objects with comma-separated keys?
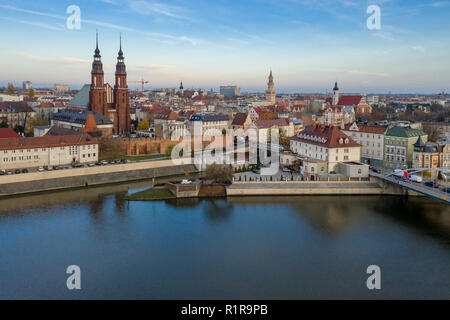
[
  {"x": 24, "y": 170},
  {"x": 91, "y": 165},
  {"x": 78, "y": 165},
  {"x": 431, "y": 184},
  {"x": 256, "y": 171},
  {"x": 415, "y": 178},
  {"x": 41, "y": 169},
  {"x": 2, "y": 172},
  {"x": 48, "y": 168},
  {"x": 124, "y": 161},
  {"x": 9, "y": 173},
  {"x": 112, "y": 162},
  {"x": 17, "y": 171},
  {"x": 286, "y": 170},
  {"x": 103, "y": 163}
]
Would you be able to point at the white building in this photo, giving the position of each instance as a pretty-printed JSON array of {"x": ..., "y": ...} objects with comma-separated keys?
[
  {"x": 371, "y": 138},
  {"x": 20, "y": 153},
  {"x": 320, "y": 148}
]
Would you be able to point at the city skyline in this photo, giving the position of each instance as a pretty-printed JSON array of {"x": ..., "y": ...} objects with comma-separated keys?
[{"x": 307, "y": 44}]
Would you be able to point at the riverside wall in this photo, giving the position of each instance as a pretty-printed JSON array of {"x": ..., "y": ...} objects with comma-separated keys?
[{"x": 85, "y": 177}]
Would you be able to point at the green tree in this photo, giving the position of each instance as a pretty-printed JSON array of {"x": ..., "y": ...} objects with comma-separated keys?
[
  {"x": 143, "y": 125},
  {"x": 31, "y": 93},
  {"x": 35, "y": 122},
  {"x": 10, "y": 89}
]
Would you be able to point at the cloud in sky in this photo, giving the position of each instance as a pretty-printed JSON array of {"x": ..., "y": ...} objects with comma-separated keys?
[{"x": 237, "y": 41}]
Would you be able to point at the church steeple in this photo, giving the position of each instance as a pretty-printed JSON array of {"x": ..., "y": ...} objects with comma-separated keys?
[
  {"x": 97, "y": 66},
  {"x": 335, "y": 94},
  {"x": 120, "y": 66}
]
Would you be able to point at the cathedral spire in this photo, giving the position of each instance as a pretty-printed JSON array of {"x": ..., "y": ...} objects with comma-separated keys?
[
  {"x": 120, "y": 66},
  {"x": 97, "y": 66}
]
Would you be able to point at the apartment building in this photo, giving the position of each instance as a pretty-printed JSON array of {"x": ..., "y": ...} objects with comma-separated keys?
[
  {"x": 399, "y": 146},
  {"x": 20, "y": 153},
  {"x": 371, "y": 138},
  {"x": 321, "y": 148}
]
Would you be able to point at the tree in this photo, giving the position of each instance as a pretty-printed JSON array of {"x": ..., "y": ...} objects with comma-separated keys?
[
  {"x": 35, "y": 122},
  {"x": 219, "y": 173},
  {"x": 3, "y": 124},
  {"x": 10, "y": 89},
  {"x": 143, "y": 125},
  {"x": 31, "y": 93},
  {"x": 432, "y": 132}
]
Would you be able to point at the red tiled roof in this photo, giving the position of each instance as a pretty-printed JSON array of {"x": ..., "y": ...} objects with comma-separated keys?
[
  {"x": 325, "y": 136},
  {"x": 239, "y": 119},
  {"x": 8, "y": 133},
  {"x": 367, "y": 129},
  {"x": 350, "y": 100},
  {"x": 264, "y": 124},
  {"x": 46, "y": 142}
]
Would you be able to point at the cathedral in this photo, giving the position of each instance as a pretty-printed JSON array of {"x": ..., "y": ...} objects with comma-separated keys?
[{"x": 113, "y": 103}]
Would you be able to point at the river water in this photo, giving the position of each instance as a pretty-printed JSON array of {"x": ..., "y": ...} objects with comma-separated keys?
[{"x": 240, "y": 248}]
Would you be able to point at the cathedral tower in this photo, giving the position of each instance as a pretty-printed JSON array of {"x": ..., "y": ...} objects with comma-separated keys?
[
  {"x": 121, "y": 95},
  {"x": 97, "y": 94}
]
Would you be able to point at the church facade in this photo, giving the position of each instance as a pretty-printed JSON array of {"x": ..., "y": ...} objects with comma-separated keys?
[{"x": 113, "y": 103}]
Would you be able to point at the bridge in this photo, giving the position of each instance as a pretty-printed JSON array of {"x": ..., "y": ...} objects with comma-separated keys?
[{"x": 419, "y": 188}]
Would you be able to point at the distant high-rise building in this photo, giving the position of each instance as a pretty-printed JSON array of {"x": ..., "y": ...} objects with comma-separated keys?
[
  {"x": 230, "y": 91},
  {"x": 271, "y": 96},
  {"x": 27, "y": 85}
]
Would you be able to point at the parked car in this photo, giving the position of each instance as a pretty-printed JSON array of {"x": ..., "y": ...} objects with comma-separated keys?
[
  {"x": 446, "y": 189},
  {"x": 41, "y": 169},
  {"x": 431, "y": 184},
  {"x": 256, "y": 171},
  {"x": 56, "y": 168},
  {"x": 258, "y": 179},
  {"x": 287, "y": 170},
  {"x": 49, "y": 168},
  {"x": 124, "y": 161},
  {"x": 78, "y": 165},
  {"x": 104, "y": 162},
  {"x": 17, "y": 171},
  {"x": 24, "y": 170},
  {"x": 91, "y": 164},
  {"x": 2, "y": 172},
  {"x": 283, "y": 178},
  {"x": 415, "y": 178},
  {"x": 112, "y": 162},
  {"x": 185, "y": 181},
  {"x": 9, "y": 173}
]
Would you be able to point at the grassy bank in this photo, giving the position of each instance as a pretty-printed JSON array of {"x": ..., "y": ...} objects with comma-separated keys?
[
  {"x": 144, "y": 157},
  {"x": 152, "y": 195}
]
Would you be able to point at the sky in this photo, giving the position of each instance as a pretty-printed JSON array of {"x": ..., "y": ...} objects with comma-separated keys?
[{"x": 309, "y": 44}]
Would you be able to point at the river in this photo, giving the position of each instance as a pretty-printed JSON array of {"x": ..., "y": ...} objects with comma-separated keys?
[{"x": 236, "y": 248}]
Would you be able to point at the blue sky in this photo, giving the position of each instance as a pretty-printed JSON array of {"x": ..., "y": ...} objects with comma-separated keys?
[{"x": 207, "y": 43}]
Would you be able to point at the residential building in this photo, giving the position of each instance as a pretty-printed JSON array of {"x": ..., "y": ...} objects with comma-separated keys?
[
  {"x": 264, "y": 127},
  {"x": 241, "y": 121},
  {"x": 16, "y": 113},
  {"x": 333, "y": 116},
  {"x": 321, "y": 148},
  {"x": 399, "y": 146},
  {"x": 430, "y": 155},
  {"x": 207, "y": 124},
  {"x": 371, "y": 138},
  {"x": 20, "y": 153}
]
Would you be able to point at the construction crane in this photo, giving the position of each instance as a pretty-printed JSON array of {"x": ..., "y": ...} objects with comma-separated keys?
[{"x": 142, "y": 82}]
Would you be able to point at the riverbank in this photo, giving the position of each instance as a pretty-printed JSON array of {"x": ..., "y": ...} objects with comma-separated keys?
[
  {"x": 160, "y": 193},
  {"x": 94, "y": 176}
]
